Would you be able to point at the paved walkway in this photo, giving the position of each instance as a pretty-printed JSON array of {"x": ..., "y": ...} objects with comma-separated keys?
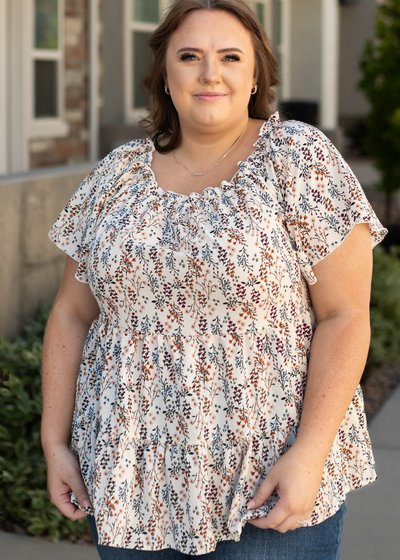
[{"x": 372, "y": 524}]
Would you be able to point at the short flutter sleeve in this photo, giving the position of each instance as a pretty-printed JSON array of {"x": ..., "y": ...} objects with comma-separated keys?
[
  {"x": 76, "y": 226},
  {"x": 322, "y": 198},
  {"x": 73, "y": 228}
]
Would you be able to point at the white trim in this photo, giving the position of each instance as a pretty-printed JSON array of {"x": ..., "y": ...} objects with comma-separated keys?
[
  {"x": 48, "y": 128},
  {"x": 132, "y": 115},
  {"x": 3, "y": 87},
  {"x": 329, "y": 65},
  {"x": 94, "y": 81},
  {"x": 268, "y": 18},
  {"x": 143, "y": 26},
  {"x": 46, "y": 54},
  {"x": 286, "y": 48},
  {"x": 55, "y": 127},
  {"x": 267, "y": 14}
]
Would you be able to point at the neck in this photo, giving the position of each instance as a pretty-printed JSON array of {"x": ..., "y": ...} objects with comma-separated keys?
[{"x": 203, "y": 146}]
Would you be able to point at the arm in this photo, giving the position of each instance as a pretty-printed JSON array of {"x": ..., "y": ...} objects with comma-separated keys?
[
  {"x": 339, "y": 350},
  {"x": 73, "y": 312}
]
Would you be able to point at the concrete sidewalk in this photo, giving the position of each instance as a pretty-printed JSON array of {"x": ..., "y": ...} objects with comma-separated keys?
[
  {"x": 372, "y": 523},
  {"x": 25, "y": 547}
]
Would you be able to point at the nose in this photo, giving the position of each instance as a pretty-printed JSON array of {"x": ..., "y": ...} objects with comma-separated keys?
[{"x": 210, "y": 71}]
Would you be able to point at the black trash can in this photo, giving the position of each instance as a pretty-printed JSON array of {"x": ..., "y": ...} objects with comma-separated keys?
[{"x": 305, "y": 111}]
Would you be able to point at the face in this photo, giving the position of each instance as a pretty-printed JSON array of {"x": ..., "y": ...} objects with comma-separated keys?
[{"x": 210, "y": 70}]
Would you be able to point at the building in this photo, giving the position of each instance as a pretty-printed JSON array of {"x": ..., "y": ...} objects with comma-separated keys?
[{"x": 70, "y": 70}]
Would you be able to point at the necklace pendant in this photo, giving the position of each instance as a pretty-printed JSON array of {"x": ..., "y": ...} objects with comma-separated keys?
[{"x": 215, "y": 164}]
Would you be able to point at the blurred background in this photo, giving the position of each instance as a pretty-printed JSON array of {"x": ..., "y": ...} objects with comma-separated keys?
[
  {"x": 70, "y": 72},
  {"x": 70, "y": 92}
]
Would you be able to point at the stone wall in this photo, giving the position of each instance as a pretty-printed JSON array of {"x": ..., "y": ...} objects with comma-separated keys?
[
  {"x": 73, "y": 148},
  {"x": 31, "y": 265}
]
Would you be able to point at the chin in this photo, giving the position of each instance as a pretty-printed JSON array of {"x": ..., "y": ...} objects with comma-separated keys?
[{"x": 212, "y": 118}]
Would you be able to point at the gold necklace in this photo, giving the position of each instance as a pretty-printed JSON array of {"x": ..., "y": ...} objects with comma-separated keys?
[{"x": 219, "y": 161}]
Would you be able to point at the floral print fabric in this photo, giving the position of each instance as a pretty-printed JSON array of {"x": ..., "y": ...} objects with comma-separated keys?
[{"x": 192, "y": 377}]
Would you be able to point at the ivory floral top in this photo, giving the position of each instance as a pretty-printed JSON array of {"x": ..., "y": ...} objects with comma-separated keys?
[{"x": 193, "y": 375}]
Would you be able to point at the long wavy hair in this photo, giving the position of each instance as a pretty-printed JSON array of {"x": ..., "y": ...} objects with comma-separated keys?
[{"x": 162, "y": 121}]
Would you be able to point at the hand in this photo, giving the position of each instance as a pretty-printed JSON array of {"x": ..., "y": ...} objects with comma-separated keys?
[
  {"x": 64, "y": 475},
  {"x": 296, "y": 477}
]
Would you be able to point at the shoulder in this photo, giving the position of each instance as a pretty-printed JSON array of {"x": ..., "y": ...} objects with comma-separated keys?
[
  {"x": 291, "y": 133},
  {"x": 98, "y": 184},
  {"x": 300, "y": 147},
  {"x": 121, "y": 157}
]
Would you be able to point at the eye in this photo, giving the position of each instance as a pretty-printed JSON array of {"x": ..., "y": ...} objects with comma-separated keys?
[
  {"x": 188, "y": 56},
  {"x": 233, "y": 57}
]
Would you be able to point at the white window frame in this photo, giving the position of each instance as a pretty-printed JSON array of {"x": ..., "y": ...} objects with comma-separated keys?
[
  {"x": 48, "y": 127},
  {"x": 132, "y": 115},
  {"x": 286, "y": 49},
  {"x": 267, "y": 13},
  {"x": 3, "y": 88}
]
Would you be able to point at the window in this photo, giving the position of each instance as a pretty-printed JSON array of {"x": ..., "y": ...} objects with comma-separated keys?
[
  {"x": 47, "y": 69},
  {"x": 275, "y": 17},
  {"x": 263, "y": 11},
  {"x": 143, "y": 17},
  {"x": 260, "y": 12},
  {"x": 47, "y": 58}
]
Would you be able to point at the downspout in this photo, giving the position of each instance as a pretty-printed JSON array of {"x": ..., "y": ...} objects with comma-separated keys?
[
  {"x": 94, "y": 81},
  {"x": 329, "y": 66},
  {"x": 286, "y": 49}
]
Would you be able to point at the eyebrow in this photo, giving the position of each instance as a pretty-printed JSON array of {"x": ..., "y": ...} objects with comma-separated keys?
[{"x": 232, "y": 49}]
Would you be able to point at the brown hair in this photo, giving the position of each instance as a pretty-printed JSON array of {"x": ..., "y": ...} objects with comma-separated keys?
[{"x": 163, "y": 121}]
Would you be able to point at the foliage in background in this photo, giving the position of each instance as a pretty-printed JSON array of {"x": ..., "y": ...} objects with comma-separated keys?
[
  {"x": 385, "y": 307},
  {"x": 380, "y": 82},
  {"x": 23, "y": 494}
]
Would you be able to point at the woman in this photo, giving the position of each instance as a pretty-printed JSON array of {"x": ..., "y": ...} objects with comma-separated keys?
[{"x": 217, "y": 398}]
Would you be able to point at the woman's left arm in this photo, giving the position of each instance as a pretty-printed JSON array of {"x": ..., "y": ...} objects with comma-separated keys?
[{"x": 339, "y": 349}]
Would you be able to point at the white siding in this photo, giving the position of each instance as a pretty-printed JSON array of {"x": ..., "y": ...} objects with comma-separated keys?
[
  {"x": 357, "y": 25},
  {"x": 306, "y": 51}
]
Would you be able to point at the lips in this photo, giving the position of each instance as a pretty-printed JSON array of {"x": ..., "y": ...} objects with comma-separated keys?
[{"x": 209, "y": 96}]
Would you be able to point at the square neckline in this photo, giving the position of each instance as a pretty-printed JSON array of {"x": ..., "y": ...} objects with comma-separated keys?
[{"x": 196, "y": 194}]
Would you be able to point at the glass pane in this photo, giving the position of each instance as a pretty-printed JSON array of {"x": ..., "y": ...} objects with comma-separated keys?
[
  {"x": 46, "y": 88},
  {"x": 141, "y": 65},
  {"x": 46, "y": 24},
  {"x": 260, "y": 11},
  {"x": 145, "y": 10}
]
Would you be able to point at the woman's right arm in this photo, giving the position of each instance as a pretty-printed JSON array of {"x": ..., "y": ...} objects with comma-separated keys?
[{"x": 74, "y": 310}]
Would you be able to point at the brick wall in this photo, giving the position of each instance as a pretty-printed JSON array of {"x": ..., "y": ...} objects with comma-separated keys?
[{"x": 74, "y": 147}]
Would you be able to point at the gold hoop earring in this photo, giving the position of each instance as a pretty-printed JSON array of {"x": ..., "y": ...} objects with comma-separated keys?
[
  {"x": 166, "y": 89},
  {"x": 254, "y": 89}
]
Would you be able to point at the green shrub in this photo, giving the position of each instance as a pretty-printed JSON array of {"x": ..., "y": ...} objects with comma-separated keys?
[
  {"x": 380, "y": 81},
  {"x": 385, "y": 307},
  {"x": 23, "y": 494}
]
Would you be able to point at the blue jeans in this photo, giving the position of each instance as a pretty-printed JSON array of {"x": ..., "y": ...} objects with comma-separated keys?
[{"x": 320, "y": 542}]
